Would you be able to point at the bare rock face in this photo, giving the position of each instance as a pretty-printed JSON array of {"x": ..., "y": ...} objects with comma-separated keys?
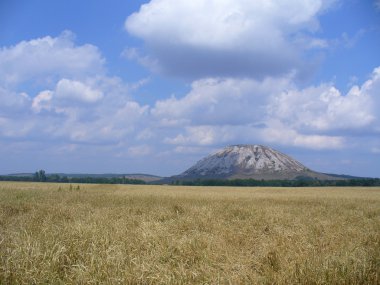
[{"x": 248, "y": 161}]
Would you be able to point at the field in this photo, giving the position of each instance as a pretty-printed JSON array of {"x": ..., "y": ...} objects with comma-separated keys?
[{"x": 129, "y": 234}]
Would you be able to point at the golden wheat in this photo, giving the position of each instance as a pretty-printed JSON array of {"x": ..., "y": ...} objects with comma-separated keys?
[{"x": 129, "y": 234}]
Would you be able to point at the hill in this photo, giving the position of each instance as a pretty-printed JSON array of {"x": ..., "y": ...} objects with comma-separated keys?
[{"x": 251, "y": 162}]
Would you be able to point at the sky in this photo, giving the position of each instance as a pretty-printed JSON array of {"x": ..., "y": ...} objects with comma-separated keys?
[{"x": 153, "y": 86}]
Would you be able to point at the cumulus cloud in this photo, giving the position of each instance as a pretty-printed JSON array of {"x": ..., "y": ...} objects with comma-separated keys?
[
  {"x": 274, "y": 110},
  {"x": 46, "y": 59},
  {"x": 323, "y": 108},
  {"x": 75, "y": 101},
  {"x": 214, "y": 101},
  {"x": 76, "y": 90},
  {"x": 227, "y": 37},
  {"x": 111, "y": 121},
  {"x": 201, "y": 135},
  {"x": 278, "y": 133}
]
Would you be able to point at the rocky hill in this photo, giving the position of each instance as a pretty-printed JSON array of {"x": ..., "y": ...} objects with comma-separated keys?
[{"x": 249, "y": 161}]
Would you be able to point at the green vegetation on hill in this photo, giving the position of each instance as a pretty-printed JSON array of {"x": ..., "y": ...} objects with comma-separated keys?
[{"x": 279, "y": 183}]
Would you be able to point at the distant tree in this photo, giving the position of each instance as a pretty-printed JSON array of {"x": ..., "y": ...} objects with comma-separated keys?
[
  {"x": 42, "y": 175},
  {"x": 39, "y": 176}
]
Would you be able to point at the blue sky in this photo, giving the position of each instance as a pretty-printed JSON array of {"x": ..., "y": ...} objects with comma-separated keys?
[{"x": 153, "y": 86}]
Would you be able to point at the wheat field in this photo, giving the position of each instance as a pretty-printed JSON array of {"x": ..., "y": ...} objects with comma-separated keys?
[{"x": 130, "y": 234}]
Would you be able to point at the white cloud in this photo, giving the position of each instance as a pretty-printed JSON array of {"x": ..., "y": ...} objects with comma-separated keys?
[
  {"x": 42, "y": 101},
  {"x": 78, "y": 91},
  {"x": 200, "y": 135},
  {"x": 140, "y": 83},
  {"x": 13, "y": 101},
  {"x": 223, "y": 24},
  {"x": 226, "y": 37},
  {"x": 106, "y": 122},
  {"x": 216, "y": 101},
  {"x": 324, "y": 108},
  {"x": 44, "y": 59},
  {"x": 281, "y": 134},
  {"x": 74, "y": 82},
  {"x": 145, "y": 60},
  {"x": 222, "y": 111}
]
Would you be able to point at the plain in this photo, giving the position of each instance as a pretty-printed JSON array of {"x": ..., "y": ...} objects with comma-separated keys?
[{"x": 139, "y": 234}]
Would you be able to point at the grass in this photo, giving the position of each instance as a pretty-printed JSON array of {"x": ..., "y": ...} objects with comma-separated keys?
[{"x": 130, "y": 234}]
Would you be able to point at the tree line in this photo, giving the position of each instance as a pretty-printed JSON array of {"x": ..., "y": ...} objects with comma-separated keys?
[
  {"x": 280, "y": 183},
  {"x": 41, "y": 176}
]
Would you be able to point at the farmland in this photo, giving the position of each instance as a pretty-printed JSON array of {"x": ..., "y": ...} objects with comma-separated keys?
[{"x": 145, "y": 234}]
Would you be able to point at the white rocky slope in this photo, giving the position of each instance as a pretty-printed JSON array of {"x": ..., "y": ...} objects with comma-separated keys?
[{"x": 248, "y": 161}]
